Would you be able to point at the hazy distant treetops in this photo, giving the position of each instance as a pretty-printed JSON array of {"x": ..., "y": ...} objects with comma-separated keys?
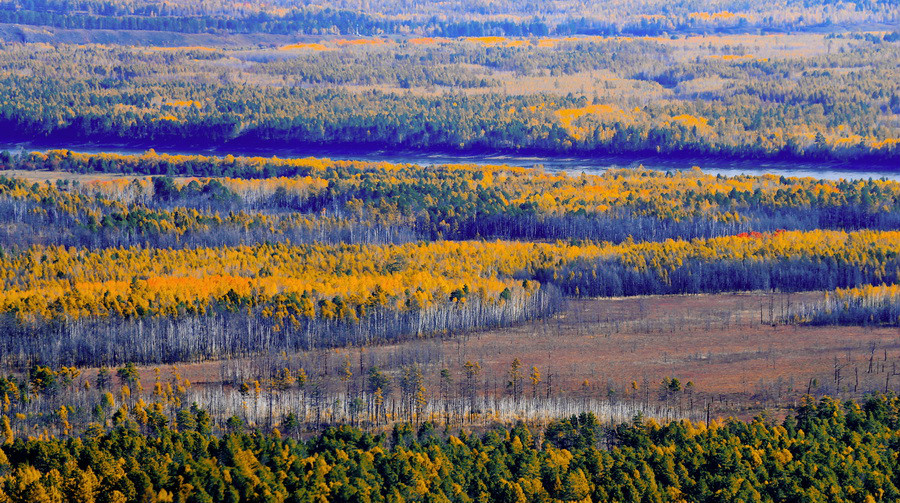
[
  {"x": 465, "y": 96},
  {"x": 720, "y": 10},
  {"x": 123, "y": 212},
  {"x": 448, "y": 18}
]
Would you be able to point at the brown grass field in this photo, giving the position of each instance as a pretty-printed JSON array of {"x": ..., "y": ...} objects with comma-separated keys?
[
  {"x": 603, "y": 348},
  {"x": 716, "y": 341}
]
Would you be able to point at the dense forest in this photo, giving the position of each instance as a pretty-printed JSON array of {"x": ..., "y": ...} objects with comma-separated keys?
[
  {"x": 306, "y": 253},
  {"x": 826, "y": 451},
  {"x": 156, "y": 305},
  {"x": 819, "y": 98},
  {"x": 220, "y": 323},
  {"x": 308, "y": 200},
  {"x": 447, "y": 18},
  {"x": 75, "y": 306}
]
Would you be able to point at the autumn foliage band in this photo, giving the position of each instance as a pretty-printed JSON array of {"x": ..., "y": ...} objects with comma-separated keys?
[
  {"x": 71, "y": 305},
  {"x": 288, "y": 254}
]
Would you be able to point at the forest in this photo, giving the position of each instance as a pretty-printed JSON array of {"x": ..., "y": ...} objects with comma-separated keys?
[
  {"x": 805, "y": 97},
  {"x": 114, "y": 286},
  {"x": 825, "y": 451},
  {"x": 242, "y": 264},
  {"x": 299, "y": 254},
  {"x": 390, "y": 202},
  {"x": 489, "y": 250},
  {"x": 456, "y": 18},
  {"x": 303, "y": 294}
]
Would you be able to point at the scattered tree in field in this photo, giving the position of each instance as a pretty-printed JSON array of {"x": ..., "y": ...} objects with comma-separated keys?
[
  {"x": 535, "y": 378},
  {"x": 515, "y": 379}
]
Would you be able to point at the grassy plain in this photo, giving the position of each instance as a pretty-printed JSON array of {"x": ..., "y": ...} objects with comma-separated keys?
[{"x": 621, "y": 349}]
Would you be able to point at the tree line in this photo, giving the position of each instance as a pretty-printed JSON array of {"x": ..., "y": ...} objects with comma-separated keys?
[
  {"x": 305, "y": 200},
  {"x": 827, "y": 114},
  {"x": 867, "y": 305},
  {"x": 450, "y": 19},
  {"x": 69, "y": 305},
  {"x": 842, "y": 450}
]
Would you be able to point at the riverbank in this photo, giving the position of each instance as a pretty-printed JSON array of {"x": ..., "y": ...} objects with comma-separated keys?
[{"x": 832, "y": 170}]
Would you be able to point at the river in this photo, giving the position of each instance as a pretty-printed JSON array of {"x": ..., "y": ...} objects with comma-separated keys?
[{"x": 570, "y": 165}]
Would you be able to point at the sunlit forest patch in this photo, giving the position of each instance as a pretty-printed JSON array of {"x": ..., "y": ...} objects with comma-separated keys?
[{"x": 305, "y": 46}]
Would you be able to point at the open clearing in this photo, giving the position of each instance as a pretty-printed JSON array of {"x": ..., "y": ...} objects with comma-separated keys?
[{"x": 603, "y": 348}]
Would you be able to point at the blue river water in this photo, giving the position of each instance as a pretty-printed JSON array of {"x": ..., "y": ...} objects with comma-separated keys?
[{"x": 571, "y": 165}]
